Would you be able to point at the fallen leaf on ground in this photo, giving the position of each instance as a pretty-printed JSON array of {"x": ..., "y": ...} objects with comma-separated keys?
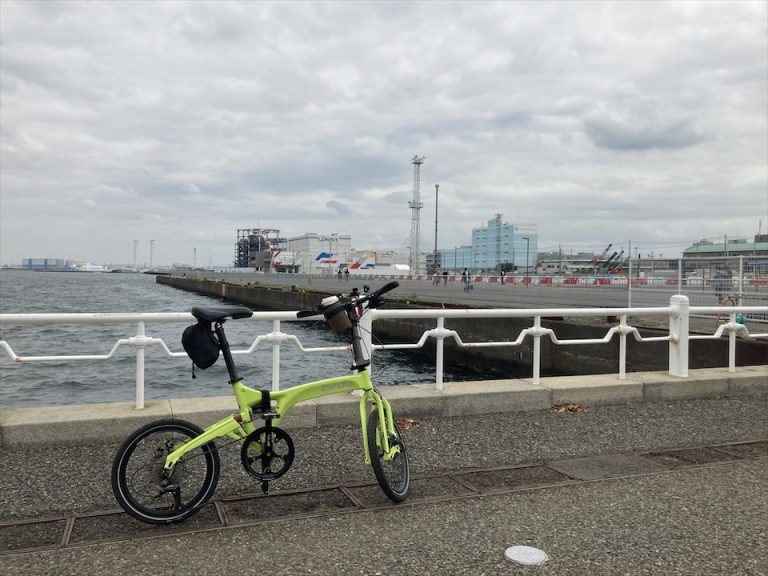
[
  {"x": 408, "y": 423},
  {"x": 569, "y": 407}
]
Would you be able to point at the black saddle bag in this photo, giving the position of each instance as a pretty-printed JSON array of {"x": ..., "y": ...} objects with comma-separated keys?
[{"x": 201, "y": 344}]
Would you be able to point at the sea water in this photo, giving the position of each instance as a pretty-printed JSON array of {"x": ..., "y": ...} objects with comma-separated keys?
[{"x": 114, "y": 380}]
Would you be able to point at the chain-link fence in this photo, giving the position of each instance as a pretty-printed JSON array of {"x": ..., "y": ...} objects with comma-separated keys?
[
  {"x": 643, "y": 282},
  {"x": 711, "y": 281}
]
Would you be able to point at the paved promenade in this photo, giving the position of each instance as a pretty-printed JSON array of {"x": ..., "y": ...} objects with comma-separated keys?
[
  {"x": 77, "y": 424},
  {"x": 495, "y": 295},
  {"x": 704, "y": 518}
]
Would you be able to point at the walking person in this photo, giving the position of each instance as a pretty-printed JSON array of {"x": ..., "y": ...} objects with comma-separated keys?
[{"x": 722, "y": 282}]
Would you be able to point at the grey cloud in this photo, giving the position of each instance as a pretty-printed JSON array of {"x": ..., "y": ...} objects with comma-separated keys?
[
  {"x": 218, "y": 115},
  {"x": 342, "y": 208},
  {"x": 632, "y": 123},
  {"x": 627, "y": 135},
  {"x": 401, "y": 198}
]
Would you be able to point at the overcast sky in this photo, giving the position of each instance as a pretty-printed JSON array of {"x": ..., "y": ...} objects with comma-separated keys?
[{"x": 182, "y": 122}]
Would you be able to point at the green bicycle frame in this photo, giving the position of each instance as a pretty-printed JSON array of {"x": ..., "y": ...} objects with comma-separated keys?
[{"x": 238, "y": 426}]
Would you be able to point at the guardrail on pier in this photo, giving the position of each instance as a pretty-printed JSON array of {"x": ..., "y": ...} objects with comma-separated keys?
[
  {"x": 678, "y": 312},
  {"x": 705, "y": 281}
]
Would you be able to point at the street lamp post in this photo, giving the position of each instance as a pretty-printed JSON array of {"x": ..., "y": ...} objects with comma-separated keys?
[
  {"x": 527, "y": 245},
  {"x": 331, "y": 238},
  {"x": 435, "y": 260}
]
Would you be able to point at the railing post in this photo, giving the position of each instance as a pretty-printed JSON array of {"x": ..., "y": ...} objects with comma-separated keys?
[
  {"x": 629, "y": 278},
  {"x": 276, "y": 357},
  {"x": 623, "y": 348},
  {"x": 536, "y": 349},
  {"x": 679, "y": 320},
  {"x": 140, "y": 334},
  {"x": 439, "y": 354},
  {"x": 732, "y": 344},
  {"x": 740, "y": 281}
]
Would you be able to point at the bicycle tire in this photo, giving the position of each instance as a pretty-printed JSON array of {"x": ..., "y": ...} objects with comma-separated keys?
[
  {"x": 137, "y": 473},
  {"x": 394, "y": 476}
]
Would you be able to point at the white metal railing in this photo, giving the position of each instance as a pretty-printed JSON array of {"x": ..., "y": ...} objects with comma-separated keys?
[{"x": 678, "y": 313}]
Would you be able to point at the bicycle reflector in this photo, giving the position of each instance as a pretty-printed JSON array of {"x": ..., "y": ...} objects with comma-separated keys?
[
  {"x": 335, "y": 314},
  {"x": 201, "y": 345}
]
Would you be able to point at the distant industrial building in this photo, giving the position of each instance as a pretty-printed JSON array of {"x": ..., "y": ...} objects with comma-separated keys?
[
  {"x": 47, "y": 264},
  {"x": 255, "y": 247},
  {"x": 497, "y": 246},
  {"x": 315, "y": 243},
  {"x": 728, "y": 247}
]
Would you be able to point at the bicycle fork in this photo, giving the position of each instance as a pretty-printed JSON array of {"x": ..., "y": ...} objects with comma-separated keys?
[{"x": 386, "y": 425}]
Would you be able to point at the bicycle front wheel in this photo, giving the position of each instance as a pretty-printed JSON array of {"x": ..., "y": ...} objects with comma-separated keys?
[
  {"x": 393, "y": 475},
  {"x": 143, "y": 487}
]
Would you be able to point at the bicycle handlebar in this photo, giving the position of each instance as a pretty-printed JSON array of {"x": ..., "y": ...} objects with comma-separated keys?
[
  {"x": 384, "y": 289},
  {"x": 373, "y": 300},
  {"x": 375, "y": 296},
  {"x": 343, "y": 313}
]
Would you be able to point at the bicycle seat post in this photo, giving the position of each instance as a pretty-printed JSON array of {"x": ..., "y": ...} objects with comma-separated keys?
[{"x": 225, "y": 351}]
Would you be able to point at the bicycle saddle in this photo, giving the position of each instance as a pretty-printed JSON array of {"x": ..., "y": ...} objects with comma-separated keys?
[{"x": 220, "y": 313}]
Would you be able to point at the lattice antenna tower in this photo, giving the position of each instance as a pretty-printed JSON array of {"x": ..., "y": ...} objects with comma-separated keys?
[{"x": 416, "y": 205}]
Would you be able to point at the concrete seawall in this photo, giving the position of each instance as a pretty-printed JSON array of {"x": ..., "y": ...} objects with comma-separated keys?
[
  {"x": 506, "y": 362},
  {"x": 97, "y": 423}
]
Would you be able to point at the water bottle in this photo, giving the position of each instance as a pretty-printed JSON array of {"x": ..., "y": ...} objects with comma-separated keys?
[{"x": 335, "y": 314}]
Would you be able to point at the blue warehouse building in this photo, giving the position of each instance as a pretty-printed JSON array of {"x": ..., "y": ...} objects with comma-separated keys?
[{"x": 498, "y": 245}]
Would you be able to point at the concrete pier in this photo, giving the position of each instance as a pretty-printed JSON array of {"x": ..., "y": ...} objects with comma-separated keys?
[{"x": 267, "y": 293}]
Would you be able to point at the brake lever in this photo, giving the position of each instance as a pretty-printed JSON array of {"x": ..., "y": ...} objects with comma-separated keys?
[{"x": 375, "y": 302}]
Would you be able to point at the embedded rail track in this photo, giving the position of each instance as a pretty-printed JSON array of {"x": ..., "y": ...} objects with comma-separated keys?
[{"x": 20, "y": 536}]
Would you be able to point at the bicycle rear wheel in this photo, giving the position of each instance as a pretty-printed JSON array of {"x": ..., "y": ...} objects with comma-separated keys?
[
  {"x": 141, "y": 484},
  {"x": 394, "y": 476}
]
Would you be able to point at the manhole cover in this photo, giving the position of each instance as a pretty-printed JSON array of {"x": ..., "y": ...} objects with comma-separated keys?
[
  {"x": 31, "y": 535},
  {"x": 689, "y": 457},
  {"x": 276, "y": 505},
  {"x": 748, "y": 450},
  {"x": 610, "y": 466},
  {"x": 423, "y": 488},
  {"x": 119, "y": 525},
  {"x": 493, "y": 480}
]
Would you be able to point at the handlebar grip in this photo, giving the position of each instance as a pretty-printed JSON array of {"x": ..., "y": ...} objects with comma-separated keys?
[{"x": 386, "y": 288}]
